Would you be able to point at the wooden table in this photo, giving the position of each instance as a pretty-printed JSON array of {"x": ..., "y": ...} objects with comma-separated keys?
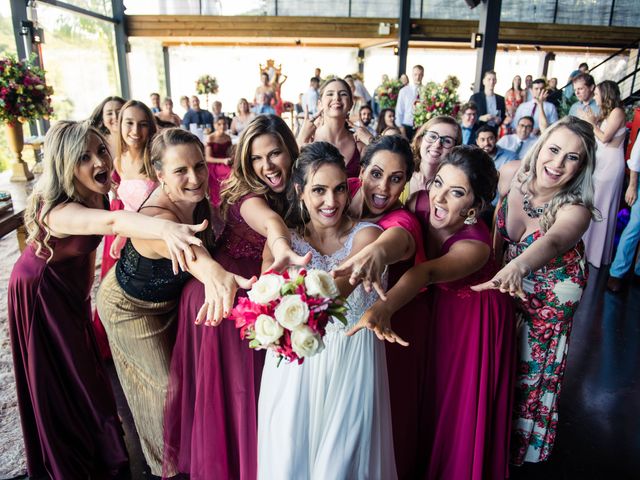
[{"x": 12, "y": 219}]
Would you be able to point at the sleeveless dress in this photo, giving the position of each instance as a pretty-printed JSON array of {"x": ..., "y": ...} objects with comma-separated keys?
[
  {"x": 130, "y": 195},
  {"x": 608, "y": 178},
  {"x": 353, "y": 167},
  {"x": 137, "y": 301},
  {"x": 218, "y": 172},
  {"x": 67, "y": 409},
  {"x": 406, "y": 366},
  {"x": 210, "y": 418},
  {"x": 470, "y": 373},
  {"x": 328, "y": 418},
  {"x": 544, "y": 325}
]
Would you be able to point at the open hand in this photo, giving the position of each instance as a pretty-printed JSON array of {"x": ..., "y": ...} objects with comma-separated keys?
[
  {"x": 219, "y": 296},
  {"x": 378, "y": 320},
  {"x": 367, "y": 267},
  {"x": 179, "y": 237},
  {"x": 308, "y": 128},
  {"x": 508, "y": 280}
]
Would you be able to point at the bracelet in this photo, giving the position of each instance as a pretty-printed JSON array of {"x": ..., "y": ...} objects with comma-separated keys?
[
  {"x": 520, "y": 263},
  {"x": 283, "y": 237}
]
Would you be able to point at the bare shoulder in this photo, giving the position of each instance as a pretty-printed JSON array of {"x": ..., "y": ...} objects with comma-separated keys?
[{"x": 506, "y": 176}]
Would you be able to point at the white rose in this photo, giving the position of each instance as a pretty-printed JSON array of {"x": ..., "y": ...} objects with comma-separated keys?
[
  {"x": 268, "y": 331},
  {"x": 291, "y": 312},
  {"x": 305, "y": 342},
  {"x": 266, "y": 289},
  {"x": 320, "y": 283}
]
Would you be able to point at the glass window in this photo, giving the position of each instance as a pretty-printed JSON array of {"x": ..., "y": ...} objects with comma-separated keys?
[
  {"x": 198, "y": 7},
  {"x": 535, "y": 11},
  {"x": 7, "y": 39},
  {"x": 579, "y": 12},
  {"x": 324, "y": 8},
  {"x": 146, "y": 68},
  {"x": 80, "y": 59},
  {"x": 446, "y": 9},
  {"x": 375, "y": 8},
  {"x": 104, "y": 7},
  {"x": 625, "y": 14}
]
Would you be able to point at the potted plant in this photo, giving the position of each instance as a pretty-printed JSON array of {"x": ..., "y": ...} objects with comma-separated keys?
[{"x": 24, "y": 96}]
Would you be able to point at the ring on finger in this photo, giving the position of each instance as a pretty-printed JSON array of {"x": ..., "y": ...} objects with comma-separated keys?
[{"x": 496, "y": 283}]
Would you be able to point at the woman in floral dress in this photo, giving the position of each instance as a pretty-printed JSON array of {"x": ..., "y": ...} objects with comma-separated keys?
[{"x": 547, "y": 205}]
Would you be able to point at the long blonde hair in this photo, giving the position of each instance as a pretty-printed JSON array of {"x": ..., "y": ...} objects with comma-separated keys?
[
  {"x": 243, "y": 179},
  {"x": 579, "y": 190},
  {"x": 64, "y": 146}
]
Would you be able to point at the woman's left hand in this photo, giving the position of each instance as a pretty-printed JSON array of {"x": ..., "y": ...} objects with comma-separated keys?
[
  {"x": 366, "y": 266},
  {"x": 179, "y": 237},
  {"x": 508, "y": 280},
  {"x": 587, "y": 114},
  {"x": 378, "y": 320},
  {"x": 361, "y": 134},
  {"x": 219, "y": 295}
]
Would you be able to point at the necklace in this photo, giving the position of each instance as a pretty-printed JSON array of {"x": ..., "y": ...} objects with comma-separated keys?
[{"x": 531, "y": 211}]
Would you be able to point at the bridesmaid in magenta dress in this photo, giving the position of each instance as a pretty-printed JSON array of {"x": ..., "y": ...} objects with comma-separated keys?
[
  {"x": 387, "y": 166},
  {"x": 336, "y": 99},
  {"x": 471, "y": 342},
  {"x": 219, "y": 160},
  {"x": 210, "y": 419},
  {"x": 69, "y": 420}
]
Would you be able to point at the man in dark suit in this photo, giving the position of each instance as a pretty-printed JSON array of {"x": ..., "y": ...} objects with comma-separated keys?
[
  {"x": 491, "y": 107},
  {"x": 469, "y": 123}
]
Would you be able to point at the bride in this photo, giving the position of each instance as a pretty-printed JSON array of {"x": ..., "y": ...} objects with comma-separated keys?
[{"x": 330, "y": 416}]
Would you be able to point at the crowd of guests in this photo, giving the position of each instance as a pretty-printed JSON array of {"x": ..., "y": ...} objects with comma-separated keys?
[{"x": 461, "y": 244}]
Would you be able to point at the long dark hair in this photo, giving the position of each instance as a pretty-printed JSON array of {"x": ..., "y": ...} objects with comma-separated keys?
[
  {"x": 96, "y": 120},
  {"x": 394, "y": 144},
  {"x": 170, "y": 137},
  {"x": 312, "y": 157},
  {"x": 381, "y": 122}
]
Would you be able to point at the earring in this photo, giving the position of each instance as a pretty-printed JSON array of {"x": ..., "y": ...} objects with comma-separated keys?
[
  {"x": 162, "y": 185},
  {"x": 470, "y": 220}
]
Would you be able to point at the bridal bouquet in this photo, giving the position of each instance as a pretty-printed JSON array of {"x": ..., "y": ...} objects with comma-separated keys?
[{"x": 288, "y": 312}]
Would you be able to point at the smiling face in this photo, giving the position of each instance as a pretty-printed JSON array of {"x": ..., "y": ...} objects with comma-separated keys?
[
  {"x": 336, "y": 99},
  {"x": 92, "y": 173},
  {"x": 220, "y": 125},
  {"x": 184, "y": 173},
  {"x": 366, "y": 116},
  {"x": 524, "y": 128},
  {"x": 390, "y": 118},
  {"x": 271, "y": 162},
  {"x": 110, "y": 113},
  {"x": 383, "y": 181},
  {"x": 135, "y": 128},
  {"x": 469, "y": 117},
  {"x": 432, "y": 152},
  {"x": 451, "y": 199},
  {"x": 487, "y": 142},
  {"x": 325, "y": 196},
  {"x": 560, "y": 159}
]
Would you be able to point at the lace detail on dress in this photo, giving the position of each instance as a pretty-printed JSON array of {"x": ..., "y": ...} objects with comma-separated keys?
[{"x": 359, "y": 300}]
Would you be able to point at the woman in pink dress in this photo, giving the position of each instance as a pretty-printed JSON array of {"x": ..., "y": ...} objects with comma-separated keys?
[
  {"x": 70, "y": 425},
  {"x": 336, "y": 101},
  {"x": 219, "y": 159},
  {"x": 210, "y": 419},
  {"x": 471, "y": 342},
  {"x": 608, "y": 177}
]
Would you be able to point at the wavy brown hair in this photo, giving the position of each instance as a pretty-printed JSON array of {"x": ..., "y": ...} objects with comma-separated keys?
[
  {"x": 417, "y": 139},
  {"x": 609, "y": 98}
]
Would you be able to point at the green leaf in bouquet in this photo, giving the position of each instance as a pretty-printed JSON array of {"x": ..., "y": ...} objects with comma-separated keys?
[
  {"x": 288, "y": 288},
  {"x": 254, "y": 343},
  {"x": 340, "y": 317}
]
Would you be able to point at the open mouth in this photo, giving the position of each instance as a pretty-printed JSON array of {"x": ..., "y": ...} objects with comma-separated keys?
[
  {"x": 274, "y": 179},
  {"x": 102, "y": 177},
  {"x": 379, "y": 201},
  {"x": 553, "y": 174},
  {"x": 193, "y": 189},
  {"x": 439, "y": 213}
]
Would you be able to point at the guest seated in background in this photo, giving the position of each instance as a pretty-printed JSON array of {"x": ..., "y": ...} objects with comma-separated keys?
[
  {"x": 543, "y": 113},
  {"x": 244, "y": 115},
  {"x": 184, "y": 103},
  {"x": 584, "y": 87},
  {"x": 167, "y": 115},
  {"x": 469, "y": 123},
  {"x": 263, "y": 96},
  {"x": 491, "y": 106},
  {"x": 155, "y": 103},
  {"x": 386, "y": 119},
  {"x": 486, "y": 139},
  {"x": 216, "y": 111},
  {"x": 196, "y": 115},
  {"x": 366, "y": 119},
  {"x": 521, "y": 141}
]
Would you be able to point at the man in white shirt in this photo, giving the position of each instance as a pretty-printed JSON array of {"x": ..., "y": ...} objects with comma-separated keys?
[
  {"x": 310, "y": 98},
  {"x": 543, "y": 113},
  {"x": 406, "y": 100},
  {"x": 366, "y": 119},
  {"x": 521, "y": 141},
  {"x": 584, "y": 86}
]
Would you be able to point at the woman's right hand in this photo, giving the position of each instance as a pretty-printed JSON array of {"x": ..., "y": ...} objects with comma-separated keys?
[
  {"x": 308, "y": 128},
  {"x": 219, "y": 295},
  {"x": 366, "y": 266},
  {"x": 631, "y": 195},
  {"x": 378, "y": 320},
  {"x": 179, "y": 237}
]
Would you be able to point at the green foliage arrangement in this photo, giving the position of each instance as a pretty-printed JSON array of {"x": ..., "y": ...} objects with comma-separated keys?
[
  {"x": 206, "y": 85},
  {"x": 24, "y": 94},
  {"x": 387, "y": 93},
  {"x": 437, "y": 99}
]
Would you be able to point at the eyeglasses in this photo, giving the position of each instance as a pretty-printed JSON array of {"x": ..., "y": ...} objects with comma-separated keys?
[{"x": 445, "y": 141}]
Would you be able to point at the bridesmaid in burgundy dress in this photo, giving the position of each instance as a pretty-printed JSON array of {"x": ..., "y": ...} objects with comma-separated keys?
[
  {"x": 471, "y": 341},
  {"x": 68, "y": 413},
  {"x": 219, "y": 160},
  {"x": 210, "y": 418}
]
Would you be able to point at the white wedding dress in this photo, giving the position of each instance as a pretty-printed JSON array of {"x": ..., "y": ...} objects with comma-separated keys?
[{"x": 328, "y": 418}]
